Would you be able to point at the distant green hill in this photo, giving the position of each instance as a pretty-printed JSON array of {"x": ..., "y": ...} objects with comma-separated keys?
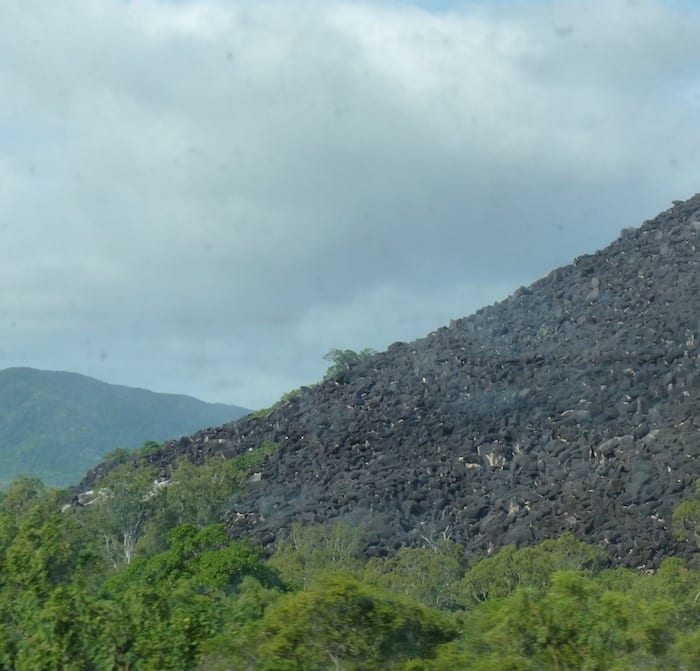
[{"x": 57, "y": 425}]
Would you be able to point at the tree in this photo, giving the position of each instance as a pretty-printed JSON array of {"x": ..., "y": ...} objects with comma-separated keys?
[
  {"x": 124, "y": 500},
  {"x": 343, "y": 359},
  {"x": 312, "y": 551},
  {"x": 686, "y": 518},
  {"x": 199, "y": 494},
  {"x": 579, "y": 622},
  {"x": 46, "y": 590},
  {"x": 22, "y": 493},
  {"x": 428, "y": 575},
  {"x": 533, "y": 567},
  {"x": 166, "y": 606},
  {"x": 341, "y": 623}
]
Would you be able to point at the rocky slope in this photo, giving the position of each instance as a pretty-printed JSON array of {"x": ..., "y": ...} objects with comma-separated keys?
[{"x": 571, "y": 405}]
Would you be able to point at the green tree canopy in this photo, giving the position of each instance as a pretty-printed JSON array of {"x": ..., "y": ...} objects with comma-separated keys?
[{"x": 342, "y": 359}]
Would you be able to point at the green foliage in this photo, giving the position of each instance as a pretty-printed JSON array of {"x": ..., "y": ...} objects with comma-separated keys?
[
  {"x": 22, "y": 494},
  {"x": 238, "y": 616},
  {"x": 243, "y": 464},
  {"x": 340, "y": 623},
  {"x": 343, "y": 359},
  {"x": 134, "y": 512},
  {"x": 285, "y": 398},
  {"x": 121, "y": 455},
  {"x": 501, "y": 575},
  {"x": 312, "y": 551},
  {"x": 428, "y": 575},
  {"x": 204, "y": 558},
  {"x": 673, "y": 582},
  {"x": 576, "y": 625},
  {"x": 685, "y": 653},
  {"x": 168, "y": 605},
  {"x": 125, "y": 499},
  {"x": 57, "y": 636},
  {"x": 196, "y": 494},
  {"x": 686, "y": 519},
  {"x": 148, "y": 447},
  {"x": 47, "y": 563},
  {"x": 191, "y": 598}
]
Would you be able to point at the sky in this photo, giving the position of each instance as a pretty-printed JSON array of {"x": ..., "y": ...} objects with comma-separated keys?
[{"x": 206, "y": 196}]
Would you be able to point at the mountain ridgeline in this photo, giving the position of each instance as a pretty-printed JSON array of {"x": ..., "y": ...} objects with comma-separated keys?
[
  {"x": 56, "y": 425},
  {"x": 573, "y": 405}
]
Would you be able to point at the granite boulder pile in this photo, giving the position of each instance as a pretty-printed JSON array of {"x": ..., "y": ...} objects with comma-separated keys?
[{"x": 573, "y": 405}]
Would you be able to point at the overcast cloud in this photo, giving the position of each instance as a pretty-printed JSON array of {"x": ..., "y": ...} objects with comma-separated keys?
[{"x": 205, "y": 197}]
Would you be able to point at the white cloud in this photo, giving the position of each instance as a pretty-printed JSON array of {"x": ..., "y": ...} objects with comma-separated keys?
[{"x": 204, "y": 197}]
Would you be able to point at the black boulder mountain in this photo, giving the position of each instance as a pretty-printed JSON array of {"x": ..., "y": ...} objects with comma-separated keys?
[{"x": 570, "y": 406}]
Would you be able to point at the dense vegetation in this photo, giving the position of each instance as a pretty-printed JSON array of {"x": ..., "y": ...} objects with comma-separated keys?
[
  {"x": 143, "y": 578},
  {"x": 57, "y": 425}
]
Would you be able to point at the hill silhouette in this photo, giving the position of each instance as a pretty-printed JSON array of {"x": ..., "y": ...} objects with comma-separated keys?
[
  {"x": 56, "y": 425},
  {"x": 570, "y": 406}
]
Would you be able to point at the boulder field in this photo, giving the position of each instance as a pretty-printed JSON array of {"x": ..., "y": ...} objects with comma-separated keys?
[{"x": 573, "y": 405}]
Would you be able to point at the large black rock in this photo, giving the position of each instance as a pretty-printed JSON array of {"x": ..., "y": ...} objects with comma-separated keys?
[{"x": 573, "y": 405}]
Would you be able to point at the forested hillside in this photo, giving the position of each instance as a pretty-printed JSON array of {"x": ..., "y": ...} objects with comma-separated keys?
[
  {"x": 138, "y": 578},
  {"x": 56, "y": 425}
]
